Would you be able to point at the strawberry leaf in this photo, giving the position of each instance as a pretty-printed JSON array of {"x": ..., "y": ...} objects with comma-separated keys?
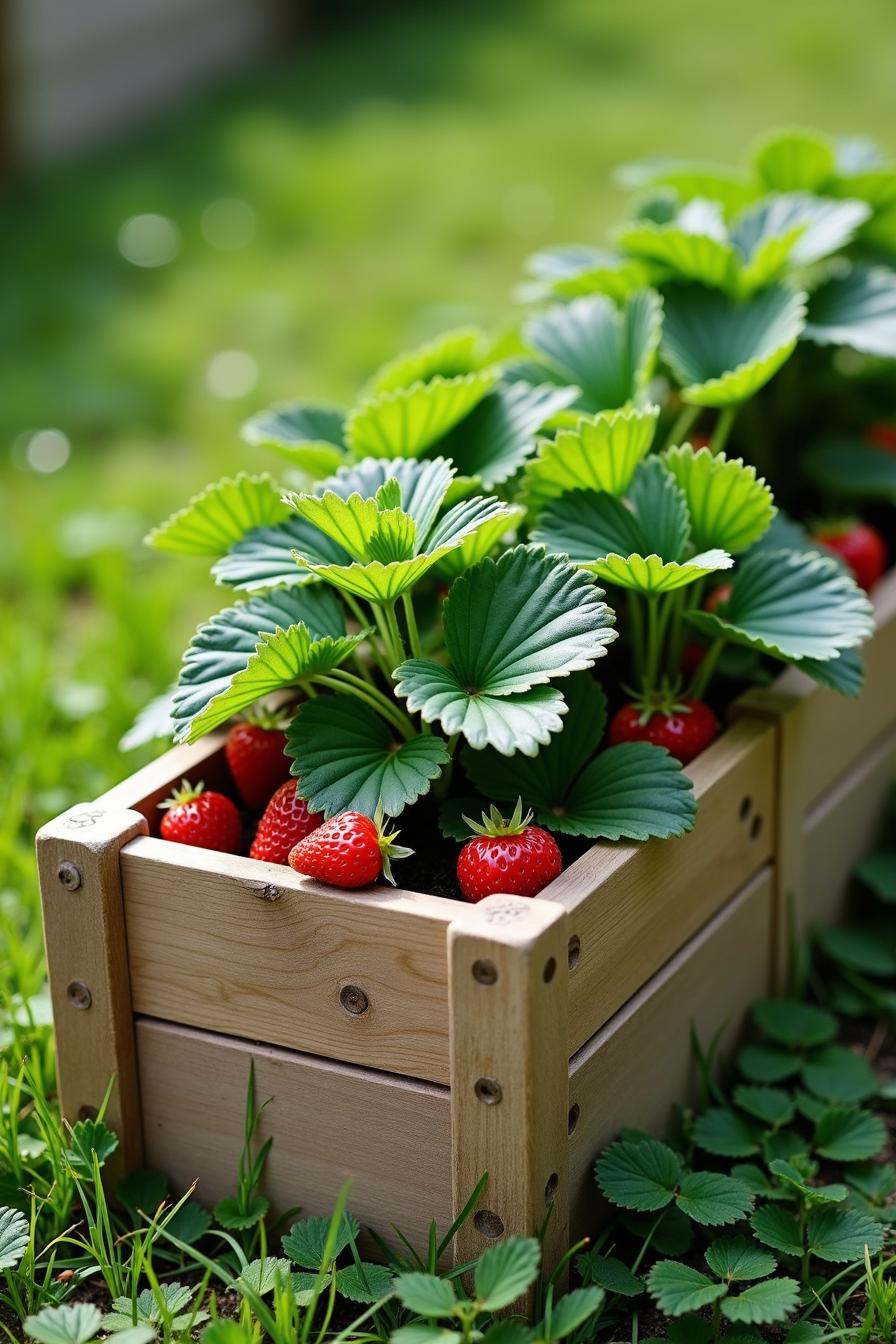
[
  {"x": 605, "y": 1271},
  {"x": 837, "y": 1074},
  {"x": 678, "y": 1288},
  {"x": 853, "y": 469},
  {"x": 448, "y": 355},
  {"x": 638, "y": 1174},
  {"x": 763, "y": 1303},
  {"x": 778, "y": 1228},
  {"x": 738, "y": 1258},
  {"x": 265, "y": 558},
  {"x": 306, "y": 1241},
  {"x": 772, "y": 1105},
  {"x": 504, "y": 1272},
  {"x": 878, "y": 872},
  {"x": 791, "y": 606},
  {"x": 822, "y": 226},
  {"x": 868, "y": 947},
  {"x": 713, "y": 1200},
  {"x": 348, "y": 759},
  {"x": 844, "y": 674},
  {"x": 725, "y": 1133},
  {"x": 841, "y": 1235},
  {"x": 494, "y": 441},
  {"x": 728, "y": 504},
  {"x": 857, "y": 309},
  {"x": 722, "y": 351},
  {"x": 223, "y": 513},
  {"x": 14, "y": 1237},
  {"x": 692, "y": 246},
  {"x": 767, "y": 1063},
  {"x": 477, "y": 545},
  {"x": 405, "y": 421},
  {"x": 793, "y": 1179},
  {"x": 311, "y": 437},
  {"x": 794, "y": 160},
  {"x": 650, "y": 575},
  {"x": 849, "y": 1135},
  {"x": 794, "y": 1023},
  {"x": 571, "y": 272},
  {"x": 600, "y": 453}
]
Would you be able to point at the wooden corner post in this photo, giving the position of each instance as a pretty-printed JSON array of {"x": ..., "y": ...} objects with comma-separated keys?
[
  {"x": 84, "y": 931},
  {"x": 508, "y": 987}
]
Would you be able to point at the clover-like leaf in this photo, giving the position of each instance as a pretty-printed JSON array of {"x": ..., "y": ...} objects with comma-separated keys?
[
  {"x": 678, "y": 1288},
  {"x": 609, "y": 353},
  {"x": 306, "y": 1241},
  {"x": 220, "y": 515},
  {"x": 405, "y": 421},
  {"x": 738, "y": 1259},
  {"x": 14, "y": 1237},
  {"x": 638, "y": 1175},
  {"x": 778, "y": 1228},
  {"x": 763, "y": 1303},
  {"x": 723, "y": 351},
  {"x": 495, "y": 440},
  {"x": 821, "y": 225},
  {"x": 841, "y": 1235},
  {"x": 448, "y": 355},
  {"x": 311, "y": 436},
  {"x": 729, "y": 505},
  {"x": 847, "y": 1134},
  {"x": 350, "y": 759},
  {"x": 504, "y": 1272},
  {"x": 839, "y": 1075},
  {"x": 795, "y": 160},
  {"x": 74, "y": 1323},
  {"x": 856, "y": 309},
  {"x": 792, "y": 606},
  {"x": 852, "y": 469},
  {"x": 511, "y": 626},
  {"x": 723, "y": 1132},
  {"x": 253, "y": 648},
  {"x": 794, "y": 1023}
]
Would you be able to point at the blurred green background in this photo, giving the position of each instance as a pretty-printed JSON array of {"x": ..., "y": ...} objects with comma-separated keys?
[{"x": 384, "y": 179}]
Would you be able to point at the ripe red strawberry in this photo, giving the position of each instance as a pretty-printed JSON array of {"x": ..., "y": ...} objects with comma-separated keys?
[
  {"x": 882, "y": 434},
  {"x": 507, "y": 856},
  {"x": 195, "y": 815},
  {"x": 286, "y": 821},
  {"x": 860, "y": 545},
  {"x": 254, "y": 753},
  {"x": 349, "y": 850},
  {"x": 718, "y": 597},
  {"x": 684, "y": 727}
]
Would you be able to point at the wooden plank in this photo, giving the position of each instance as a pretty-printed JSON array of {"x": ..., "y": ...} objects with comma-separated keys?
[
  {"x": 145, "y": 789},
  {"x": 252, "y": 949},
  {"x": 509, "y": 1072},
  {"x": 632, "y": 906},
  {"x": 640, "y": 1063},
  {"x": 84, "y": 930},
  {"x": 329, "y": 1123}
]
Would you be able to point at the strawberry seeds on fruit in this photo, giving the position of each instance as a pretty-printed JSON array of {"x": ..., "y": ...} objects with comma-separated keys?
[
  {"x": 255, "y": 751},
  {"x": 350, "y": 850},
  {"x": 684, "y": 726},
  {"x": 507, "y": 855},
  {"x": 194, "y": 815},
  {"x": 287, "y": 820}
]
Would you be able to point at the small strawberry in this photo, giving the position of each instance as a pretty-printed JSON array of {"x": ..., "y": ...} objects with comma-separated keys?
[
  {"x": 286, "y": 821},
  {"x": 349, "y": 850},
  {"x": 507, "y": 856},
  {"x": 717, "y": 597},
  {"x": 882, "y": 434},
  {"x": 684, "y": 727},
  {"x": 858, "y": 544},
  {"x": 195, "y": 815},
  {"x": 255, "y": 753}
]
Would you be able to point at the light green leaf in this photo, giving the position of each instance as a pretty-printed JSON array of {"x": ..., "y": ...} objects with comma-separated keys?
[
  {"x": 574, "y": 1309},
  {"x": 723, "y": 1132},
  {"x": 261, "y": 1276},
  {"x": 772, "y": 1105},
  {"x": 504, "y": 1272},
  {"x": 853, "y": 469},
  {"x": 76, "y": 1323},
  {"x": 349, "y": 759},
  {"x": 791, "y": 606},
  {"x": 794, "y": 1023},
  {"x": 510, "y": 625},
  {"x": 838, "y": 1074},
  {"x": 423, "y": 485},
  {"x": 418, "y": 1333},
  {"x": 692, "y": 246},
  {"x": 407, "y": 420},
  {"x": 425, "y": 1294},
  {"x": 253, "y": 648},
  {"x": 795, "y": 160},
  {"x": 728, "y": 504},
  {"x": 448, "y": 355},
  {"x": 572, "y": 272},
  {"x": 14, "y": 1237},
  {"x": 841, "y": 1235},
  {"x": 494, "y": 441},
  {"x": 812, "y": 226},
  {"x": 265, "y": 558},
  {"x": 678, "y": 1288},
  {"x": 763, "y": 1303},
  {"x": 738, "y": 1259},
  {"x": 609, "y": 1273},
  {"x": 778, "y": 1228},
  {"x": 223, "y": 513},
  {"x": 849, "y": 1134},
  {"x": 601, "y": 453},
  {"x": 856, "y": 309},
  {"x": 476, "y": 545},
  {"x": 713, "y": 1200},
  {"x": 306, "y": 1241},
  {"x": 687, "y": 180},
  {"x": 722, "y": 351},
  {"x": 878, "y": 872},
  {"x": 311, "y": 437},
  {"x": 651, "y": 575},
  {"x": 366, "y": 1282},
  {"x": 609, "y": 353},
  {"x": 639, "y": 1175}
]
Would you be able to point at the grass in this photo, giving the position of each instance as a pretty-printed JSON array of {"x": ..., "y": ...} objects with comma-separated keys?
[{"x": 399, "y": 169}]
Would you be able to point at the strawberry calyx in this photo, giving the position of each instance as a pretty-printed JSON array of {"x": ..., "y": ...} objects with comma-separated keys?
[
  {"x": 389, "y": 850},
  {"x": 665, "y": 700},
  {"x": 494, "y": 823},
  {"x": 263, "y": 716},
  {"x": 186, "y": 793},
  {"x": 831, "y": 528}
]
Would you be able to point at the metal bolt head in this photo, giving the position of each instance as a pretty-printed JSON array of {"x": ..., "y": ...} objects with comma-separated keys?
[
  {"x": 488, "y": 1090},
  {"x": 79, "y": 996},
  {"x": 354, "y": 1000},
  {"x": 69, "y": 875}
]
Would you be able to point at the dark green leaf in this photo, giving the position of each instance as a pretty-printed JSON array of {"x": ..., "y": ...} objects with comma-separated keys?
[
  {"x": 231, "y": 1214},
  {"x": 767, "y": 1063},
  {"x": 878, "y": 871},
  {"x": 607, "y": 1272},
  {"x": 771, "y": 1105},
  {"x": 672, "y": 1234},
  {"x": 265, "y": 557},
  {"x": 794, "y": 1023},
  {"x": 862, "y": 947},
  {"x": 89, "y": 1139},
  {"x": 574, "y": 1309},
  {"x": 798, "y": 1179},
  {"x": 763, "y": 1303},
  {"x": 778, "y": 1228},
  {"x": 849, "y": 1135},
  {"x": 852, "y": 469},
  {"x": 725, "y": 1133},
  {"x": 842, "y": 1234},
  {"x": 364, "y": 1283},
  {"x": 739, "y": 1258},
  {"x": 839, "y": 1075},
  {"x": 142, "y": 1191},
  {"x": 306, "y": 1241},
  {"x": 713, "y": 1200},
  {"x": 638, "y": 1175},
  {"x": 678, "y": 1288},
  {"x": 494, "y": 441},
  {"x": 857, "y": 309}
]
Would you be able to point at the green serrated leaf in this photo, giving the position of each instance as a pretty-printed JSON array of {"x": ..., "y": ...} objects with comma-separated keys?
[
  {"x": 772, "y": 1105},
  {"x": 14, "y": 1237},
  {"x": 349, "y": 759},
  {"x": 605, "y": 1271},
  {"x": 601, "y": 452},
  {"x": 778, "y": 1228},
  {"x": 405, "y": 421},
  {"x": 725, "y": 1133},
  {"x": 236, "y": 1217},
  {"x": 767, "y": 1063},
  {"x": 571, "y": 272},
  {"x": 650, "y": 575},
  {"x": 75, "y": 1323},
  {"x": 306, "y": 1241},
  {"x": 844, "y": 674},
  {"x": 425, "y": 1294},
  {"x": 837, "y": 1074},
  {"x": 813, "y": 226},
  {"x": 265, "y": 557},
  {"x": 723, "y": 351},
  {"x": 841, "y": 1235},
  {"x": 190, "y": 1223},
  {"x": 729, "y": 506},
  {"x": 142, "y": 1191},
  {"x": 364, "y": 1282},
  {"x": 713, "y": 1200},
  {"x": 661, "y": 508},
  {"x": 638, "y": 1175},
  {"x": 738, "y": 1258},
  {"x": 89, "y": 1139},
  {"x": 678, "y": 1288},
  {"x": 220, "y": 515},
  {"x": 857, "y": 309},
  {"x": 763, "y": 1303},
  {"x": 878, "y": 872},
  {"x": 794, "y": 1179},
  {"x": 794, "y": 1023},
  {"x": 261, "y": 1276},
  {"x": 497, "y": 438},
  {"x": 504, "y": 1272},
  {"x": 310, "y": 436},
  {"x": 795, "y": 160},
  {"x": 692, "y": 246},
  {"x": 477, "y": 545},
  {"x": 448, "y": 355},
  {"x": 849, "y": 1135},
  {"x": 852, "y": 469},
  {"x": 574, "y": 1309}
]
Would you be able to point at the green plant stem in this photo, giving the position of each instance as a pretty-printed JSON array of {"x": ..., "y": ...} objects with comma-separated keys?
[
  {"x": 394, "y": 652},
  {"x": 722, "y": 429},
  {"x": 654, "y": 643},
  {"x": 340, "y": 680},
  {"x": 675, "y": 642},
  {"x": 411, "y": 622},
  {"x": 369, "y": 623},
  {"x": 394, "y": 630},
  {"x": 702, "y": 676},
  {"x": 683, "y": 424},
  {"x": 636, "y": 620}
]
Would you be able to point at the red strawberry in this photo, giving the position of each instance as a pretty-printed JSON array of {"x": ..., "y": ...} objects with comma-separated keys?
[
  {"x": 195, "y": 815},
  {"x": 254, "y": 753},
  {"x": 684, "y": 727},
  {"x": 881, "y": 434},
  {"x": 718, "y": 597},
  {"x": 698, "y": 441},
  {"x": 507, "y": 856},
  {"x": 349, "y": 850},
  {"x": 860, "y": 545},
  {"x": 286, "y": 821}
]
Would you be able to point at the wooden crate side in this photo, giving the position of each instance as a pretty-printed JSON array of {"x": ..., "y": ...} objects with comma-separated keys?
[
  {"x": 84, "y": 929},
  {"x": 632, "y": 906},
  {"x": 252, "y": 949},
  {"x": 640, "y": 1063},
  {"x": 839, "y": 829},
  {"x": 329, "y": 1122},
  {"x": 146, "y": 788},
  {"x": 509, "y": 1073}
]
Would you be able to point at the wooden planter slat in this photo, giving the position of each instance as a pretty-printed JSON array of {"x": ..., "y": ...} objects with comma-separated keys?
[
  {"x": 251, "y": 949},
  {"x": 633, "y": 906},
  {"x": 329, "y": 1121},
  {"x": 632, "y": 1071}
]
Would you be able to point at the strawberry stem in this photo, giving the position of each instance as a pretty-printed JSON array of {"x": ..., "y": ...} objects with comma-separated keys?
[
  {"x": 722, "y": 429},
  {"x": 340, "y": 680},
  {"x": 697, "y": 688}
]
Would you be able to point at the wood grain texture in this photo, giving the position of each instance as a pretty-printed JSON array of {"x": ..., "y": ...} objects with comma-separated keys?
[
  {"x": 329, "y": 1122},
  {"x": 509, "y": 1108},
  {"x": 640, "y": 1063},
  {"x": 84, "y": 929},
  {"x": 632, "y": 906},
  {"x": 145, "y": 789},
  {"x": 230, "y": 944}
]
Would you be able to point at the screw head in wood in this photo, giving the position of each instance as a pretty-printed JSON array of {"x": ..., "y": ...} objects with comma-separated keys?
[
  {"x": 488, "y": 1223},
  {"x": 354, "y": 1000},
  {"x": 78, "y": 995},
  {"x": 69, "y": 875},
  {"x": 485, "y": 972},
  {"x": 488, "y": 1090}
]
